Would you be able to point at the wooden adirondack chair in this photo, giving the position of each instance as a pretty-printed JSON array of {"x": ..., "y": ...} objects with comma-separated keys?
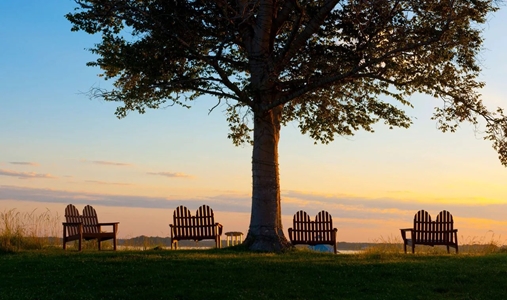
[
  {"x": 73, "y": 226},
  {"x": 307, "y": 232},
  {"x": 92, "y": 229},
  {"x": 431, "y": 233},
  {"x": 86, "y": 226},
  {"x": 202, "y": 226}
]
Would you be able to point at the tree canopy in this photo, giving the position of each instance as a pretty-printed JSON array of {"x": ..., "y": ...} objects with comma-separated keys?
[{"x": 332, "y": 66}]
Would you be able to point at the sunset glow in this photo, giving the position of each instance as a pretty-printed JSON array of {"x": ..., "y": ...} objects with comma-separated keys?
[{"x": 58, "y": 147}]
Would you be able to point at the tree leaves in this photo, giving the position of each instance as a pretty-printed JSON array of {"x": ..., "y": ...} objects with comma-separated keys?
[{"x": 335, "y": 66}]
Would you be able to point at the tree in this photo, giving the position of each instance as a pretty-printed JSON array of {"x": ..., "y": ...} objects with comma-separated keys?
[{"x": 332, "y": 66}]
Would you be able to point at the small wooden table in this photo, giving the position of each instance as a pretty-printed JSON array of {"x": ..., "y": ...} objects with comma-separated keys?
[{"x": 234, "y": 234}]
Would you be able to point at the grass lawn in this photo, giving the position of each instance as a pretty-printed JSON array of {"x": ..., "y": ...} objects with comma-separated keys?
[{"x": 233, "y": 274}]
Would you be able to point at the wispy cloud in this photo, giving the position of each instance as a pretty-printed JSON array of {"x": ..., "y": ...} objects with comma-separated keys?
[
  {"x": 110, "y": 163},
  {"x": 24, "y": 175},
  {"x": 106, "y": 182},
  {"x": 170, "y": 174},
  {"x": 107, "y": 163},
  {"x": 26, "y": 163}
]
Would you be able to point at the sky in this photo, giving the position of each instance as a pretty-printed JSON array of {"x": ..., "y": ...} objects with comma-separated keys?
[{"x": 58, "y": 147}]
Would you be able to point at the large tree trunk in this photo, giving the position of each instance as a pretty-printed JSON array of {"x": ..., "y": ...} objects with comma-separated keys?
[{"x": 266, "y": 230}]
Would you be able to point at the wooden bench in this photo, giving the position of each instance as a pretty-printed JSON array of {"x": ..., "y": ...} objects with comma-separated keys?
[
  {"x": 202, "y": 226},
  {"x": 307, "y": 232},
  {"x": 86, "y": 226},
  {"x": 431, "y": 233}
]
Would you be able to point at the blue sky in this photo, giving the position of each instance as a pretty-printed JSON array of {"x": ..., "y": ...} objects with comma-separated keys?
[{"x": 58, "y": 147}]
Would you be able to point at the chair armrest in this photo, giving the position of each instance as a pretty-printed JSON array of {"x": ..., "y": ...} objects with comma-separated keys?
[
  {"x": 455, "y": 231},
  {"x": 404, "y": 233},
  {"x": 71, "y": 224},
  {"x": 220, "y": 228},
  {"x": 114, "y": 226},
  {"x": 79, "y": 226},
  {"x": 108, "y": 224},
  {"x": 335, "y": 233},
  {"x": 173, "y": 233}
]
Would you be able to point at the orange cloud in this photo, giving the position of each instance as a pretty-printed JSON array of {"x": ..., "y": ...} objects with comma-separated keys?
[
  {"x": 26, "y": 163},
  {"x": 170, "y": 174},
  {"x": 107, "y": 163},
  {"x": 25, "y": 175},
  {"x": 107, "y": 183}
]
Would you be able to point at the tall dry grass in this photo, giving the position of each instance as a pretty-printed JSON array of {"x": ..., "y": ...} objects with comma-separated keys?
[
  {"x": 489, "y": 243},
  {"x": 28, "y": 230}
]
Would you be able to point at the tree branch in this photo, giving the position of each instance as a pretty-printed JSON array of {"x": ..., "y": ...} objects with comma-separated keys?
[
  {"x": 285, "y": 14},
  {"x": 318, "y": 82},
  {"x": 311, "y": 28}
]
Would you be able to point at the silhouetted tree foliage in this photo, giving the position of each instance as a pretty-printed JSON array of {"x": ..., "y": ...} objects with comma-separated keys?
[{"x": 332, "y": 66}]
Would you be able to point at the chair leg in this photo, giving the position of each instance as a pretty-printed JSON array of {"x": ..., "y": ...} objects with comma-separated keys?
[
  {"x": 405, "y": 247},
  {"x": 80, "y": 235},
  {"x": 115, "y": 229},
  {"x": 98, "y": 242}
]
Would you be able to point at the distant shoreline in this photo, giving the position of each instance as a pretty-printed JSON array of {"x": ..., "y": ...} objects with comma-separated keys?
[{"x": 145, "y": 242}]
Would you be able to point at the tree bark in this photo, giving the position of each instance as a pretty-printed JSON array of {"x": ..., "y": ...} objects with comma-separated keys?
[{"x": 266, "y": 230}]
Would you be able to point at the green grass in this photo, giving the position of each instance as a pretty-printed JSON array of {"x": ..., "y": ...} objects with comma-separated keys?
[
  {"x": 233, "y": 274},
  {"x": 32, "y": 266}
]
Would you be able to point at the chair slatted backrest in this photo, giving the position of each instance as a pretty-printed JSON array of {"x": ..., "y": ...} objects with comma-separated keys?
[
  {"x": 324, "y": 226},
  {"x": 89, "y": 220},
  {"x": 423, "y": 227},
  {"x": 72, "y": 216},
  {"x": 444, "y": 225},
  {"x": 182, "y": 219},
  {"x": 302, "y": 227},
  {"x": 205, "y": 221}
]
